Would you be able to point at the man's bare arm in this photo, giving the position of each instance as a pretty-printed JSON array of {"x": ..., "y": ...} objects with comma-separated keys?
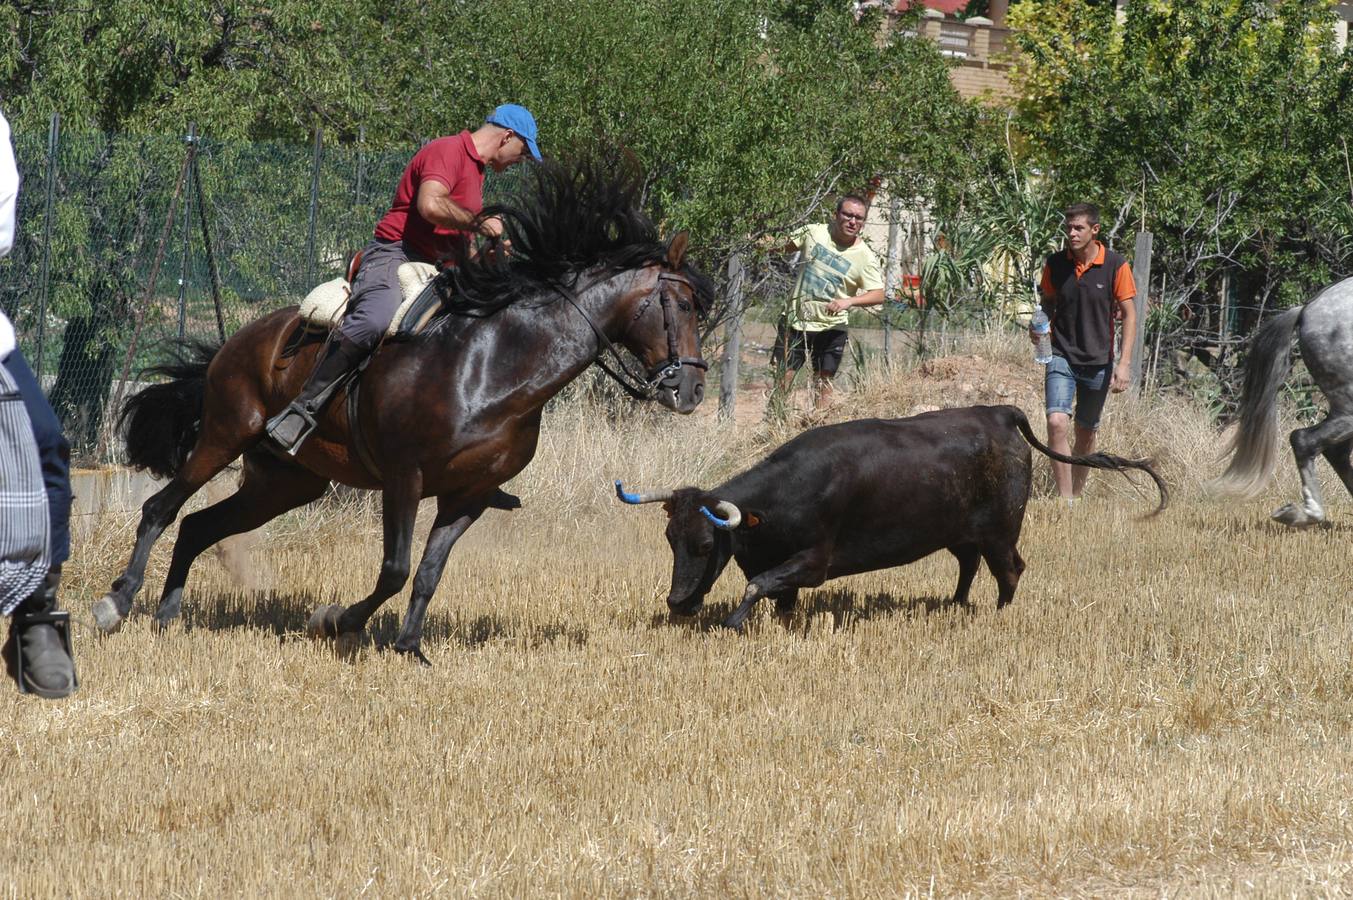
[
  {"x": 868, "y": 298},
  {"x": 435, "y": 204},
  {"x": 1122, "y": 370}
]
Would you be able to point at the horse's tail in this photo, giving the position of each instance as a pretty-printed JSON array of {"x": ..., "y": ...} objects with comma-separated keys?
[
  {"x": 161, "y": 421},
  {"x": 1096, "y": 460},
  {"x": 1253, "y": 447}
]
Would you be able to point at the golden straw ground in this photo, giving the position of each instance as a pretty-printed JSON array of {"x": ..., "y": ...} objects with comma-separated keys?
[{"x": 1166, "y": 707}]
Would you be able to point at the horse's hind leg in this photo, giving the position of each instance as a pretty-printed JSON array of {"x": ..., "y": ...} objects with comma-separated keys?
[
  {"x": 1307, "y": 444},
  {"x": 156, "y": 514},
  {"x": 268, "y": 488},
  {"x": 452, "y": 521},
  {"x": 1339, "y": 458}
]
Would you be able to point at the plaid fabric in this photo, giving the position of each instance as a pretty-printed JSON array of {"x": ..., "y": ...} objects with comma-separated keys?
[{"x": 25, "y": 527}]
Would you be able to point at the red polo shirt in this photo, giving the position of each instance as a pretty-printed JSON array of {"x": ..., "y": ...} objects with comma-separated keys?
[{"x": 454, "y": 162}]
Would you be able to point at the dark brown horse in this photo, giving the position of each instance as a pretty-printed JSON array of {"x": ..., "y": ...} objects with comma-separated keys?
[{"x": 451, "y": 414}]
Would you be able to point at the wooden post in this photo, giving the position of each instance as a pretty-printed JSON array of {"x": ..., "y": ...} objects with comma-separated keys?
[
  {"x": 1224, "y": 311},
  {"x": 1141, "y": 274},
  {"x": 732, "y": 345},
  {"x": 892, "y": 274}
]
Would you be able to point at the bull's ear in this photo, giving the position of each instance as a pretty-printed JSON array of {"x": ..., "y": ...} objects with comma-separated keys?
[
  {"x": 667, "y": 507},
  {"x": 676, "y": 251}
]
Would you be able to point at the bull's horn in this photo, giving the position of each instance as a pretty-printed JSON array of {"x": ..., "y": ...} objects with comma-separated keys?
[
  {"x": 655, "y": 497},
  {"x": 731, "y": 515}
]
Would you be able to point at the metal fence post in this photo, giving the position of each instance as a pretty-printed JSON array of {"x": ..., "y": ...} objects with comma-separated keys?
[
  {"x": 361, "y": 163},
  {"x": 191, "y": 140},
  {"x": 212, "y": 268},
  {"x": 53, "y": 136},
  {"x": 314, "y": 208}
]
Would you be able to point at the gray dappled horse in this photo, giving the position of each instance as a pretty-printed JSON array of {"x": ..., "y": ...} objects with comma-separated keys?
[{"x": 1324, "y": 329}]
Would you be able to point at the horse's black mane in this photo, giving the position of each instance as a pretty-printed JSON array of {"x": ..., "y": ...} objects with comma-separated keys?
[{"x": 569, "y": 217}]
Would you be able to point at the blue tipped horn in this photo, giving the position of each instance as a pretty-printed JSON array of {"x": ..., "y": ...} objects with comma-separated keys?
[
  {"x": 636, "y": 498},
  {"x": 725, "y": 515}
]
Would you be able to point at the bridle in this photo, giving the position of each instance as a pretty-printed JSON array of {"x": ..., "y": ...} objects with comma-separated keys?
[{"x": 637, "y": 386}]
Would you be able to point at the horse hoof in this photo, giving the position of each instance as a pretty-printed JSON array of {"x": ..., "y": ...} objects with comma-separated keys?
[
  {"x": 1295, "y": 516},
  {"x": 323, "y": 623},
  {"x": 106, "y": 616},
  {"x": 414, "y": 652},
  {"x": 347, "y": 644}
]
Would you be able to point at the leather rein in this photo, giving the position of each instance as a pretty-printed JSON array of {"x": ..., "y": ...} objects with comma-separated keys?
[{"x": 641, "y": 387}]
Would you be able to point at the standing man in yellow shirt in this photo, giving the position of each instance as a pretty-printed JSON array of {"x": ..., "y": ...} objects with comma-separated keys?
[{"x": 837, "y": 271}]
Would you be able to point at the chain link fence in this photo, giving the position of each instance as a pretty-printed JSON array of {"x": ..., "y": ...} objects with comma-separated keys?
[{"x": 125, "y": 241}]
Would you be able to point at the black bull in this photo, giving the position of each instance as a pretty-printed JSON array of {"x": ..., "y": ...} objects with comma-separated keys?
[{"x": 865, "y": 495}]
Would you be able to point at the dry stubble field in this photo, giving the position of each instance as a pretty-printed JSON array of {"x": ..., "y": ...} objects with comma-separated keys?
[{"x": 1164, "y": 709}]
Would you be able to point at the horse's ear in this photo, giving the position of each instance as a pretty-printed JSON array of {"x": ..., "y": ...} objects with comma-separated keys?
[{"x": 676, "y": 250}]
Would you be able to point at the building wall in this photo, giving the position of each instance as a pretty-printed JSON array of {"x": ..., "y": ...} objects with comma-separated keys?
[{"x": 990, "y": 85}]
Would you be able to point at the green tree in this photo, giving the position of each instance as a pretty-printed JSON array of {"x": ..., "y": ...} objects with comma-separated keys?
[
  {"x": 746, "y": 116},
  {"x": 124, "y": 76},
  {"x": 1220, "y": 125}
]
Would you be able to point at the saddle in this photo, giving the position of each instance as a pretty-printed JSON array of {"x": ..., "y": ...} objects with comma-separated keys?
[{"x": 323, "y": 308}]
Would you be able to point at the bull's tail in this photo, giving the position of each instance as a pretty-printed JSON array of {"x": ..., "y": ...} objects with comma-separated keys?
[
  {"x": 1096, "y": 460},
  {"x": 161, "y": 421},
  {"x": 1253, "y": 448}
]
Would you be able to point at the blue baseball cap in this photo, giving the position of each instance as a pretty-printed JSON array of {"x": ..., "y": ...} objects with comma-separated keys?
[{"x": 518, "y": 119}]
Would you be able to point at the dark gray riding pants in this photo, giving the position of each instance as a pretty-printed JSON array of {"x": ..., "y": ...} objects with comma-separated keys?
[{"x": 375, "y": 294}]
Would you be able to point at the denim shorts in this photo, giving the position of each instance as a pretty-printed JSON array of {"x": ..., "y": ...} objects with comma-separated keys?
[{"x": 1087, "y": 385}]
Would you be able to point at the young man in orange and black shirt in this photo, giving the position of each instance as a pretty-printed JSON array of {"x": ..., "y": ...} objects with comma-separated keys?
[{"x": 1084, "y": 289}]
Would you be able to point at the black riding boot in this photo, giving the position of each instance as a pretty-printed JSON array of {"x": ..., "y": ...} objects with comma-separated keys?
[
  {"x": 293, "y": 425},
  {"x": 37, "y": 652}
]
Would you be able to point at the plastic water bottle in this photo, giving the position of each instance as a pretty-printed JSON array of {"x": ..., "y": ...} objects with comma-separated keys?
[{"x": 1042, "y": 330}]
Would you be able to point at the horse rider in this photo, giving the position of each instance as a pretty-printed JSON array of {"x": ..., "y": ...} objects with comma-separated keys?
[{"x": 434, "y": 210}]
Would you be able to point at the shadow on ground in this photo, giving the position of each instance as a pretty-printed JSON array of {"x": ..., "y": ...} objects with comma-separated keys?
[
  {"x": 846, "y": 607},
  {"x": 286, "y": 615}
]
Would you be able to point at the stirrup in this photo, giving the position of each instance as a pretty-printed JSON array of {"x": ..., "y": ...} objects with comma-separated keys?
[
  {"x": 286, "y": 434},
  {"x": 59, "y": 620}
]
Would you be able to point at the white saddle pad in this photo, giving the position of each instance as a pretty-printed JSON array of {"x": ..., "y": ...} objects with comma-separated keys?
[{"x": 323, "y": 307}]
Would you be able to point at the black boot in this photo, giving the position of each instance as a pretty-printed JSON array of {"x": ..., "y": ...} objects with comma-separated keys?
[
  {"x": 38, "y": 652},
  {"x": 293, "y": 425}
]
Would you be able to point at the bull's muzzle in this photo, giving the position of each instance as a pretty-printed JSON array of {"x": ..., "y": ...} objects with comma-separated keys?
[{"x": 685, "y": 606}]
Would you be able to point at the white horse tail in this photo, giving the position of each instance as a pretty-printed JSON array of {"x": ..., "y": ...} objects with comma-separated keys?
[{"x": 1253, "y": 447}]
